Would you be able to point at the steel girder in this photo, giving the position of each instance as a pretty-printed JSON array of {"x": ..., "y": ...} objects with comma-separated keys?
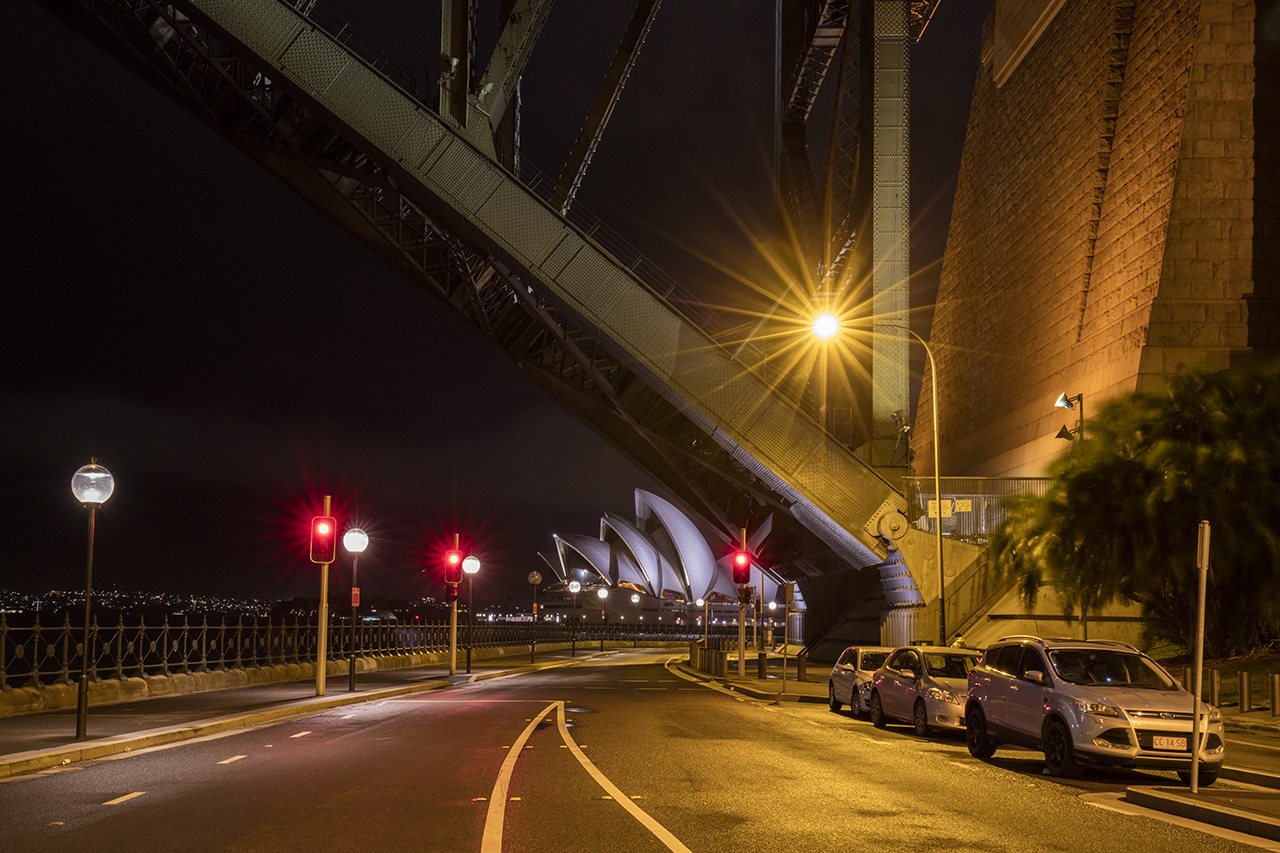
[{"x": 348, "y": 181}]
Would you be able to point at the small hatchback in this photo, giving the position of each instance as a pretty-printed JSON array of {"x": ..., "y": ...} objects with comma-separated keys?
[
  {"x": 852, "y": 675},
  {"x": 922, "y": 685},
  {"x": 1088, "y": 701}
]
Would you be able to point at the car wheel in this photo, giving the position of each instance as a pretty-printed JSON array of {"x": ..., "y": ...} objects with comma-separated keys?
[
  {"x": 920, "y": 718},
  {"x": 1059, "y": 753},
  {"x": 832, "y": 702},
  {"x": 975, "y": 734},
  {"x": 1206, "y": 777},
  {"x": 878, "y": 719}
]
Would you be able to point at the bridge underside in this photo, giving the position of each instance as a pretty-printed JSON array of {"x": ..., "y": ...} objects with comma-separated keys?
[{"x": 732, "y": 444}]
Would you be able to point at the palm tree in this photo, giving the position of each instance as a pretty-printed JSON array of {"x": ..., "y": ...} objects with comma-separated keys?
[{"x": 1120, "y": 519}]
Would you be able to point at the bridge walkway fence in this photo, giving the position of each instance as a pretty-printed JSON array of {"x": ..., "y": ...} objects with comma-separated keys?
[{"x": 37, "y": 655}]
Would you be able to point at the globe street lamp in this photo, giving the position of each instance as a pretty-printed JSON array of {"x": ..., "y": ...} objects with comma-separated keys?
[
  {"x": 705, "y": 604},
  {"x": 355, "y": 541},
  {"x": 602, "y": 593},
  {"x": 635, "y": 629},
  {"x": 826, "y": 326},
  {"x": 534, "y": 579},
  {"x": 470, "y": 565},
  {"x": 574, "y": 587},
  {"x": 92, "y": 485}
]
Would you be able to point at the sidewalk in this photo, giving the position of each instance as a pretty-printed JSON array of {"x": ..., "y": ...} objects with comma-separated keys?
[{"x": 1245, "y": 810}]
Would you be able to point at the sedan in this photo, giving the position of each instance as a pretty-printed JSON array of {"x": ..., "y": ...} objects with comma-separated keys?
[
  {"x": 851, "y": 677},
  {"x": 923, "y": 685}
]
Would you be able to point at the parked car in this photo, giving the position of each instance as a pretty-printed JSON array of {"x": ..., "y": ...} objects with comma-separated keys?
[
  {"x": 1095, "y": 701},
  {"x": 851, "y": 674},
  {"x": 922, "y": 685}
]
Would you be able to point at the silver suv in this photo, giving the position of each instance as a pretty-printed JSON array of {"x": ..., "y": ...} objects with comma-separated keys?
[{"x": 1087, "y": 701}]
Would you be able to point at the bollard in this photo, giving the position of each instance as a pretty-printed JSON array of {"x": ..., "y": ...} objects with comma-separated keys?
[
  {"x": 1246, "y": 694},
  {"x": 1188, "y": 679},
  {"x": 762, "y": 670},
  {"x": 1215, "y": 687},
  {"x": 802, "y": 662},
  {"x": 1275, "y": 694}
]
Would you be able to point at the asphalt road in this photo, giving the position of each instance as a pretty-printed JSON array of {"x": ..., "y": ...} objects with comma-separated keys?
[{"x": 615, "y": 754}]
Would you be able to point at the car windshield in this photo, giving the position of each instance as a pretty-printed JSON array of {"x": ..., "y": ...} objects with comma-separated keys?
[
  {"x": 873, "y": 660},
  {"x": 1108, "y": 666},
  {"x": 950, "y": 665}
]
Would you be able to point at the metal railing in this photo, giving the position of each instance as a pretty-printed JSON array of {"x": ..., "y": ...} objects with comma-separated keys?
[
  {"x": 40, "y": 655},
  {"x": 972, "y": 507}
]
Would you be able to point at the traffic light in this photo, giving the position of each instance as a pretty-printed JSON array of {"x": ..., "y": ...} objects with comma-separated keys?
[
  {"x": 451, "y": 593},
  {"x": 324, "y": 539},
  {"x": 453, "y": 566},
  {"x": 741, "y": 566}
]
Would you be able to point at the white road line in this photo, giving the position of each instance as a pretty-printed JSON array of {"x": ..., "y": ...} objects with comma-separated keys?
[
  {"x": 300, "y": 734},
  {"x": 119, "y": 800},
  {"x": 659, "y": 831},
  {"x": 491, "y": 841},
  {"x": 233, "y": 758}
]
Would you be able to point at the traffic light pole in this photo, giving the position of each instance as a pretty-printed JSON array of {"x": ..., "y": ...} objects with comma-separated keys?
[
  {"x": 453, "y": 637},
  {"x": 742, "y": 630},
  {"x": 322, "y": 641}
]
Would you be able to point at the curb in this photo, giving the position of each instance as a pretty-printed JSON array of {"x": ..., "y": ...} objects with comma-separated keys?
[
  {"x": 25, "y": 762},
  {"x": 1166, "y": 800}
]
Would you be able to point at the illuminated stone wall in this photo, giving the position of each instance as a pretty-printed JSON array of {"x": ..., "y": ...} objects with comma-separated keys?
[{"x": 1115, "y": 220}]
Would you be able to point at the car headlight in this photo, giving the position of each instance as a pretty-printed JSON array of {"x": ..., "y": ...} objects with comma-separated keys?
[
  {"x": 1214, "y": 714},
  {"x": 1098, "y": 709},
  {"x": 942, "y": 695}
]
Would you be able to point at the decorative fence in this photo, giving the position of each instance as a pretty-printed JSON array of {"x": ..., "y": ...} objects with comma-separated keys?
[{"x": 39, "y": 654}]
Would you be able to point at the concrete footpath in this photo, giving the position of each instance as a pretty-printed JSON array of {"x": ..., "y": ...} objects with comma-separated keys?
[
  {"x": 36, "y": 741},
  {"x": 1251, "y": 807}
]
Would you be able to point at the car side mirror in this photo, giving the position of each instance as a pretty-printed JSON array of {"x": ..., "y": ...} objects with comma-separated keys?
[
  {"x": 909, "y": 673},
  {"x": 1036, "y": 676}
]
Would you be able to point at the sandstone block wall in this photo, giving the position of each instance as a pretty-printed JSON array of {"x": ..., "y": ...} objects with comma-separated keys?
[{"x": 1114, "y": 221}]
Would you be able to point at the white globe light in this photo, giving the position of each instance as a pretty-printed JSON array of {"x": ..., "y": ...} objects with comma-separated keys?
[
  {"x": 355, "y": 540},
  {"x": 825, "y": 326},
  {"x": 635, "y": 598},
  {"x": 92, "y": 484},
  {"x": 700, "y": 602},
  {"x": 471, "y": 565},
  {"x": 602, "y": 592},
  {"x": 574, "y": 586}
]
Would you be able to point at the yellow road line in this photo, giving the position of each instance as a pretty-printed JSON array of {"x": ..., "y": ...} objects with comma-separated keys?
[
  {"x": 491, "y": 841},
  {"x": 659, "y": 831},
  {"x": 233, "y": 758},
  {"x": 118, "y": 800}
]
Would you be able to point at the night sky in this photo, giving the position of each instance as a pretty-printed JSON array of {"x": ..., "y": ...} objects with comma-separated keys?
[{"x": 231, "y": 356}]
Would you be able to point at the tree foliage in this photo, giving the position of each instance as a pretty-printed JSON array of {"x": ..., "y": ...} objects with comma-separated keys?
[{"x": 1121, "y": 516}]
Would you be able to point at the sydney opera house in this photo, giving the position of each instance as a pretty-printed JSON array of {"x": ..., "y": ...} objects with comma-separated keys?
[{"x": 662, "y": 559}]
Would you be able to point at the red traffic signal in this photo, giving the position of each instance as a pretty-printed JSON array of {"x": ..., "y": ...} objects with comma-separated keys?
[
  {"x": 324, "y": 539},
  {"x": 741, "y": 562},
  {"x": 453, "y": 566}
]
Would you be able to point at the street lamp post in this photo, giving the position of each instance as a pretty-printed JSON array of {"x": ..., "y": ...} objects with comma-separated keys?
[
  {"x": 705, "y": 604},
  {"x": 534, "y": 579},
  {"x": 635, "y": 612},
  {"x": 602, "y": 593},
  {"x": 574, "y": 586},
  {"x": 355, "y": 541},
  {"x": 826, "y": 326},
  {"x": 470, "y": 565},
  {"x": 92, "y": 485}
]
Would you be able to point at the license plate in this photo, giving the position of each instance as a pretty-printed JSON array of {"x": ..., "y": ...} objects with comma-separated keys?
[{"x": 1178, "y": 743}]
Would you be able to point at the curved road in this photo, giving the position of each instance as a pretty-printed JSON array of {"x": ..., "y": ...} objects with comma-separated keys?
[{"x": 616, "y": 753}]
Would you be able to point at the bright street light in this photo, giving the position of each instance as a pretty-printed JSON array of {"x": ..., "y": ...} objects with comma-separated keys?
[
  {"x": 470, "y": 566},
  {"x": 355, "y": 541},
  {"x": 825, "y": 326},
  {"x": 92, "y": 485}
]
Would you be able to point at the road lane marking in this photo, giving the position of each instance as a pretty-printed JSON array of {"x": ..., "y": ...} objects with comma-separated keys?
[
  {"x": 300, "y": 734},
  {"x": 233, "y": 758},
  {"x": 659, "y": 831},
  {"x": 491, "y": 841},
  {"x": 118, "y": 800}
]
